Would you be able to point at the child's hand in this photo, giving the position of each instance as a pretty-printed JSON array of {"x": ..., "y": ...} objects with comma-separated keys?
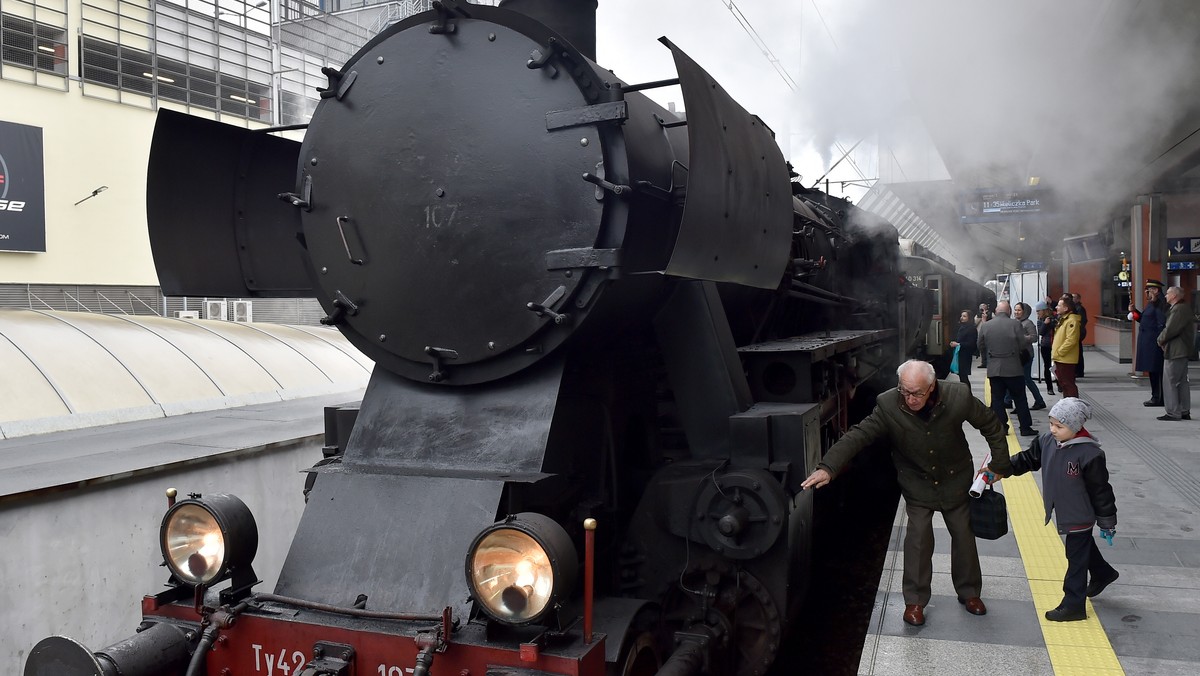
[{"x": 1107, "y": 534}]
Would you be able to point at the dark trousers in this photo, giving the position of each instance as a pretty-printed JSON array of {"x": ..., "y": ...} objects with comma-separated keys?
[
  {"x": 1066, "y": 379},
  {"x": 1029, "y": 385},
  {"x": 918, "y": 553},
  {"x": 1047, "y": 364},
  {"x": 1032, "y": 386},
  {"x": 1083, "y": 557},
  {"x": 1155, "y": 385},
  {"x": 1012, "y": 386},
  {"x": 1079, "y": 366}
]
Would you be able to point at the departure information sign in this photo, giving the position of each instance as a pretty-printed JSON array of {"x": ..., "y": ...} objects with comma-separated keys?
[
  {"x": 985, "y": 206},
  {"x": 22, "y": 189}
]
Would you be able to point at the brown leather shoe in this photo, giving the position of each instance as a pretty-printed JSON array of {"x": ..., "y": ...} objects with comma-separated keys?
[
  {"x": 974, "y": 605},
  {"x": 914, "y": 615}
]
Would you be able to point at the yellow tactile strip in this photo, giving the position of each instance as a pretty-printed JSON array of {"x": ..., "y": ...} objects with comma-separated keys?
[{"x": 1076, "y": 648}]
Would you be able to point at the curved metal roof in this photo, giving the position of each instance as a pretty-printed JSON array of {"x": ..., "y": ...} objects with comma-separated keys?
[{"x": 67, "y": 370}]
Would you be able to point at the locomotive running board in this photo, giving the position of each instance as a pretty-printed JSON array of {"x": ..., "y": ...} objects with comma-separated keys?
[
  {"x": 217, "y": 226},
  {"x": 737, "y": 220}
]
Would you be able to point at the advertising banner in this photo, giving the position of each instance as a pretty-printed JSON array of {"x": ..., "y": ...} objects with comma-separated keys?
[{"x": 22, "y": 189}]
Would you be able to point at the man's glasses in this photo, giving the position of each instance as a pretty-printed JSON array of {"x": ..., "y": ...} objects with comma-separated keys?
[{"x": 914, "y": 395}]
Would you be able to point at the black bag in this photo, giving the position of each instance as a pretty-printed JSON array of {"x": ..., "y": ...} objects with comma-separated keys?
[
  {"x": 989, "y": 515},
  {"x": 1026, "y": 356}
]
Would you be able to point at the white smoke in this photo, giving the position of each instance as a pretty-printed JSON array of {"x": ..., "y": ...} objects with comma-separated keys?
[{"x": 1082, "y": 94}]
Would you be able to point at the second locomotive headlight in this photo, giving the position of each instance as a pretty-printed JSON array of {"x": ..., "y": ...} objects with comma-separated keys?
[
  {"x": 519, "y": 568},
  {"x": 203, "y": 539}
]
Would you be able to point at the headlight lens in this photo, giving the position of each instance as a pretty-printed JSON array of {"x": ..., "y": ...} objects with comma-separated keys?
[
  {"x": 518, "y": 568},
  {"x": 195, "y": 546},
  {"x": 203, "y": 538}
]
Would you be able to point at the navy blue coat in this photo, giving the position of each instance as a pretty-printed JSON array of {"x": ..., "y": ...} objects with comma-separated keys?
[{"x": 1152, "y": 319}]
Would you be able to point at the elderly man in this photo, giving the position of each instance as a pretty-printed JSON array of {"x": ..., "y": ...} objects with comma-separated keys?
[
  {"x": 1178, "y": 341},
  {"x": 1002, "y": 340},
  {"x": 923, "y": 419}
]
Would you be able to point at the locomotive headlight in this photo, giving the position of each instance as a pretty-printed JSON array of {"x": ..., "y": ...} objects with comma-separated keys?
[
  {"x": 202, "y": 539},
  {"x": 519, "y": 568}
]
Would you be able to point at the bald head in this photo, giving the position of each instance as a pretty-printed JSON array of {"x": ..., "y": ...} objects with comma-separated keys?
[
  {"x": 918, "y": 372},
  {"x": 917, "y": 381},
  {"x": 1004, "y": 308}
]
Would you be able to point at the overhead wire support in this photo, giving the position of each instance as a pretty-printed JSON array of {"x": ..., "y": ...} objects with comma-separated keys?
[
  {"x": 844, "y": 156},
  {"x": 758, "y": 42},
  {"x": 791, "y": 83}
]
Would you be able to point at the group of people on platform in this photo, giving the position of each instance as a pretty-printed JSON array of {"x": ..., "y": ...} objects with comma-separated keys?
[
  {"x": 1005, "y": 341},
  {"x": 924, "y": 417},
  {"x": 923, "y": 420},
  {"x": 1166, "y": 339},
  {"x": 1163, "y": 348}
]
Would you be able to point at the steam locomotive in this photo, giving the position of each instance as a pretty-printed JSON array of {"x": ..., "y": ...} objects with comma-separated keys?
[{"x": 610, "y": 343}]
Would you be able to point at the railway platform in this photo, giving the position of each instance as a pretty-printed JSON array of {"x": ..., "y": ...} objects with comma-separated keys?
[{"x": 1147, "y": 622}]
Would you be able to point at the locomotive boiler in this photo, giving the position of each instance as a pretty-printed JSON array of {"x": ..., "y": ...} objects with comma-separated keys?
[{"x": 610, "y": 342}]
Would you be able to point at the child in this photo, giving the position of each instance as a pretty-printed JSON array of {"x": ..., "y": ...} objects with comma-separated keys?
[{"x": 1075, "y": 487}]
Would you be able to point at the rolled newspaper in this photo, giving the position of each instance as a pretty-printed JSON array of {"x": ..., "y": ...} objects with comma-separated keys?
[{"x": 978, "y": 485}]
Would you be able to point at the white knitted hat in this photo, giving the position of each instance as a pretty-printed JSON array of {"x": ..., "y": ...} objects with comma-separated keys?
[{"x": 1071, "y": 412}]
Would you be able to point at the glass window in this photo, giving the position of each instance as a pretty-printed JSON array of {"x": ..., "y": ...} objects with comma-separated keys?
[{"x": 33, "y": 38}]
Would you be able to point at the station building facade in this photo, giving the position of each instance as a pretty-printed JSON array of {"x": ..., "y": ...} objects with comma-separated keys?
[{"x": 81, "y": 82}]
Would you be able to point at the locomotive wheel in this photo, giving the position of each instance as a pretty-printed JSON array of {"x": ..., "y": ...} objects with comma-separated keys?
[
  {"x": 742, "y": 606},
  {"x": 638, "y": 657}
]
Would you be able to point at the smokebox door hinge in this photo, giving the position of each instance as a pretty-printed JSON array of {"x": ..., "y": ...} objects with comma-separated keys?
[
  {"x": 436, "y": 356},
  {"x": 342, "y": 307},
  {"x": 339, "y": 84},
  {"x": 613, "y": 111},
  {"x": 447, "y": 10},
  {"x": 303, "y": 199}
]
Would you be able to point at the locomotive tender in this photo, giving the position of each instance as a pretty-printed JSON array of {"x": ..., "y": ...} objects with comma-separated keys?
[{"x": 610, "y": 343}]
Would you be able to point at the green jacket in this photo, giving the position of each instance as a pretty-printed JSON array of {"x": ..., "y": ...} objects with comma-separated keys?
[
  {"x": 1178, "y": 337},
  {"x": 933, "y": 461}
]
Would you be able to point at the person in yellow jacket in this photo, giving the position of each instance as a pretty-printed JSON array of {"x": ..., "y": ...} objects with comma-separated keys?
[{"x": 1065, "y": 350}]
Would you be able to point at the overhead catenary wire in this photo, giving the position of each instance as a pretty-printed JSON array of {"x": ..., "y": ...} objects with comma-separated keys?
[
  {"x": 760, "y": 43},
  {"x": 736, "y": 11}
]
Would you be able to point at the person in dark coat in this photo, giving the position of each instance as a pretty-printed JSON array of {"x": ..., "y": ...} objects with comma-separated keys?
[
  {"x": 923, "y": 421},
  {"x": 1075, "y": 487},
  {"x": 1045, "y": 326},
  {"x": 965, "y": 342},
  {"x": 1149, "y": 356},
  {"x": 1083, "y": 322},
  {"x": 985, "y": 315}
]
